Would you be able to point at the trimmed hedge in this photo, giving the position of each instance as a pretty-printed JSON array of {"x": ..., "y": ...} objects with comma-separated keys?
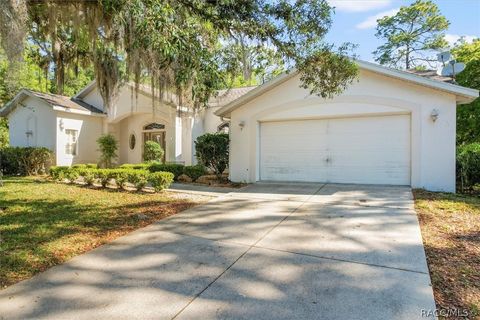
[
  {"x": 468, "y": 165},
  {"x": 25, "y": 161},
  {"x": 139, "y": 178},
  {"x": 175, "y": 168},
  {"x": 160, "y": 180},
  {"x": 195, "y": 172}
]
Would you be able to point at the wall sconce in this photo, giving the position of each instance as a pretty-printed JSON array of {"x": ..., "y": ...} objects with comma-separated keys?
[
  {"x": 434, "y": 115},
  {"x": 241, "y": 124},
  {"x": 60, "y": 125}
]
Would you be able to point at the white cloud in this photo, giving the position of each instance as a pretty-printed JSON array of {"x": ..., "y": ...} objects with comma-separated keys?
[
  {"x": 371, "y": 22},
  {"x": 359, "y": 5},
  {"x": 452, "y": 38}
]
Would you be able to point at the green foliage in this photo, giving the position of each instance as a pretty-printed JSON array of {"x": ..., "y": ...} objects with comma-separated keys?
[
  {"x": 411, "y": 35},
  {"x": 108, "y": 147},
  {"x": 144, "y": 166},
  {"x": 468, "y": 115},
  {"x": 88, "y": 175},
  {"x": 468, "y": 165},
  {"x": 152, "y": 151},
  {"x": 25, "y": 161},
  {"x": 212, "y": 151},
  {"x": 186, "y": 56},
  {"x": 160, "y": 180},
  {"x": 138, "y": 178},
  {"x": 71, "y": 175},
  {"x": 4, "y": 141},
  {"x": 58, "y": 172},
  {"x": 175, "y": 168},
  {"x": 85, "y": 166},
  {"x": 194, "y": 172},
  {"x": 104, "y": 176}
]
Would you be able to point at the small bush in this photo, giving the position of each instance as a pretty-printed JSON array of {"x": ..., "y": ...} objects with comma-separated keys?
[
  {"x": 152, "y": 151},
  {"x": 468, "y": 165},
  {"x": 108, "y": 147},
  {"x": 58, "y": 172},
  {"x": 25, "y": 161},
  {"x": 195, "y": 172},
  {"x": 175, "y": 168},
  {"x": 139, "y": 178},
  {"x": 160, "y": 180},
  {"x": 88, "y": 175},
  {"x": 71, "y": 175},
  {"x": 104, "y": 176},
  {"x": 85, "y": 166},
  {"x": 141, "y": 166},
  {"x": 120, "y": 176},
  {"x": 212, "y": 151}
]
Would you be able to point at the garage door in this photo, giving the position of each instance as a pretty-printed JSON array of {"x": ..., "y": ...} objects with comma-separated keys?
[{"x": 370, "y": 150}]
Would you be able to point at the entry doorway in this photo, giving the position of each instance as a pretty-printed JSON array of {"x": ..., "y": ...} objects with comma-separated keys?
[{"x": 155, "y": 132}]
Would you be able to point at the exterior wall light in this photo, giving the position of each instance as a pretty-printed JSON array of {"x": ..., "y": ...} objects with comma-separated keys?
[
  {"x": 241, "y": 124},
  {"x": 434, "y": 115}
]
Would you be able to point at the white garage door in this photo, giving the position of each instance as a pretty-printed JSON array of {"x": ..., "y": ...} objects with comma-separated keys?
[{"x": 370, "y": 150}]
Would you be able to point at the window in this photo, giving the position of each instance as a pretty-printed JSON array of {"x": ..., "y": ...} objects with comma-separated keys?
[
  {"x": 154, "y": 126},
  {"x": 132, "y": 141},
  {"x": 71, "y": 145}
]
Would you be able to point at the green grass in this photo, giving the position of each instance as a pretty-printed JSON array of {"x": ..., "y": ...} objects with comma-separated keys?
[{"x": 44, "y": 223}]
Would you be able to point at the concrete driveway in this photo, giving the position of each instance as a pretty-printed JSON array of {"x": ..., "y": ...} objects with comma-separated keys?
[{"x": 268, "y": 251}]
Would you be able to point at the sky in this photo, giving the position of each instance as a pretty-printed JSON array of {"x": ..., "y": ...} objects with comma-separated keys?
[{"x": 355, "y": 20}]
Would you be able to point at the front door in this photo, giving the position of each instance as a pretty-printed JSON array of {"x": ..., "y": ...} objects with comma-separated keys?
[{"x": 157, "y": 136}]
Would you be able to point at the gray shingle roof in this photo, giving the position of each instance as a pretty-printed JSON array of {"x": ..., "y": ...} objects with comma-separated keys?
[
  {"x": 226, "y": 96},
  {"x": 66, "y": 102},
  {"x": 430, "y": 74}
]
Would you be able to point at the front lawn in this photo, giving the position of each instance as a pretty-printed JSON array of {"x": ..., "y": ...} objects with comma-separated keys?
[
  {"x": 450, "y": 226},
  {"x": 44, "y": 223}
]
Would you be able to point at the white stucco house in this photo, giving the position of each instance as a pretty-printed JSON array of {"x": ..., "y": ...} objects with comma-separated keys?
[
  {"x": 70, "y": 126},
  {"x": 390, "y": 127}
]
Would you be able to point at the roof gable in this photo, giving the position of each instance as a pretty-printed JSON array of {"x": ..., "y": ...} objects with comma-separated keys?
[
  {"x": 463, "y": 94},
  {"x": 58, "y": 102}
]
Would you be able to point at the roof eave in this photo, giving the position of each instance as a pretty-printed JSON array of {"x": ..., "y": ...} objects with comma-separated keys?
[
  {"x": 463, "y": 94},
  {"x": 252, "y": 94}
]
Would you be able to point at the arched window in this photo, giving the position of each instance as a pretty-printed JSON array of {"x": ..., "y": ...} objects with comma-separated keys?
[{"x": 154, "y": 126}]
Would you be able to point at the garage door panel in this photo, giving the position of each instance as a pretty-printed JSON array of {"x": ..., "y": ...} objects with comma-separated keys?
[{"x": 350, "y": 150}]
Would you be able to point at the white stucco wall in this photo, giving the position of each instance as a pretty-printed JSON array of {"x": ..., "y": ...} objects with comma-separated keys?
[
  {"x": 433, "y": 143},
  {"x": 36, "y": 116},
  {"x": 134, "y": 125},
  {"x": 89, "y": 130}
]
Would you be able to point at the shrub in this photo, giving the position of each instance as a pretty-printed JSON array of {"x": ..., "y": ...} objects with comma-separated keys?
[
  {"x": 85, "y": 166},
  {"x": 212, "y": 151},
  {"x": 104, "y": 176},
  {"x": 152, "y": 151},
  {"x": 142, "y": 166},
  {"x": 175, "y": 168},
  {"x": 108, "y": 147},
  {"x": 25, "y": 161},
  {"x": 195, "y": 172},
  {"x": 58, "y": 172},
  {"x": 120, "y": 176},
  {"x": 468, "y": 165},
  {"x": 139, "y": 178},
  {"x": 71, "y": 175},
  {"x": 160, "y": 180},
  {"x": 88, "y": 175}
]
